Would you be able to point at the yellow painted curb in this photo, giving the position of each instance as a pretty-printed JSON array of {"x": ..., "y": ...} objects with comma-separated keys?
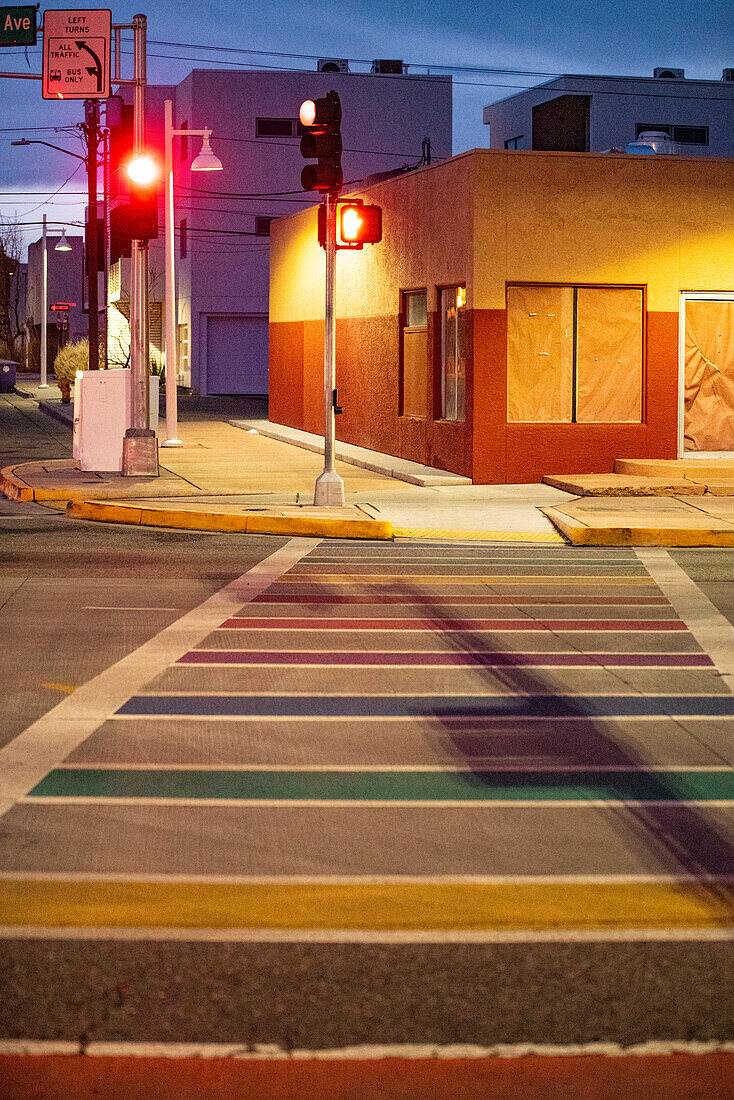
[
  {"x": 581, "y": 534},
  {"x": 13, "y": 488},
  {"x": 249, "y": 523},
  {"x": 376, "y": 906},
  {"x": 486, "y": 536}
]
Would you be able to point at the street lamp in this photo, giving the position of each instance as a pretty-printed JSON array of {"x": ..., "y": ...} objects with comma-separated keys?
[
  {"x": 63, "y": 245},
  {"x": 206, "y": 161}
]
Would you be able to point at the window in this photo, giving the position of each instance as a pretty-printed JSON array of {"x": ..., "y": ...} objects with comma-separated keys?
[
  {"x": 184, "y": 366},
  {"x": 574, "y": 354},
  {"x": 274, "y": 127},
  {"x": 453, "y": 352},
  {"x": 684, "y": 135},
  {"x": 414, "y": 352},
  {"x": 262, "y": 226},
  {"x": 183, "y": 232},
  {"x": 515, "y": 142},
  {"x": 184, "y": 142}
]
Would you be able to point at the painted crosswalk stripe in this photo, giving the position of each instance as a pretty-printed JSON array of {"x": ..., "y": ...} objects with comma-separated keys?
[
  {"x": 444, "y": 707},
  {"x": 450, "y": 624},
  {"x": 472, "y": 785},
  {"x": 402, "y": 659}
]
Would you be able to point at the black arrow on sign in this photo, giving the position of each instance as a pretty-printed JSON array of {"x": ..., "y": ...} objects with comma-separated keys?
[{"x": 93, "y": 70}]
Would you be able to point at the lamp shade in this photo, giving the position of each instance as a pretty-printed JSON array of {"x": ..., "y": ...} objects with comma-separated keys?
[
  {"x": 206, "y": 161},
  {"x": 63, "y": 245}
]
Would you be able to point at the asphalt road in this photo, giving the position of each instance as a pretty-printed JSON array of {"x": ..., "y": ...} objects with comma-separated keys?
[{"x": 77, "y": 598}]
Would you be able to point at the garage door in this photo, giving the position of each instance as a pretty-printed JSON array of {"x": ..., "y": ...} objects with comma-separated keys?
[{"x": 237, "y": 354}]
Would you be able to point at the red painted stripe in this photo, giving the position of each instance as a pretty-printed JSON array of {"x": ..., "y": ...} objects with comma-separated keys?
[
  {"x": 329, "y": 598},
  {"x": 485, "y": 660},
  {"x": 584, "y": 1077},
  {"x": 558, "y": 625}
]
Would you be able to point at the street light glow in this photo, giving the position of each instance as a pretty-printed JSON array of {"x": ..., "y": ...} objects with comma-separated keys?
[{"x": 143, "y": 170}]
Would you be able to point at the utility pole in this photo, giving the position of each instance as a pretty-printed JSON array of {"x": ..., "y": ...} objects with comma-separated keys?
[
  {"x": 44, "y": 310},
  {"x": 140, "y": 446},
  {"x": 91, "y": 132}
]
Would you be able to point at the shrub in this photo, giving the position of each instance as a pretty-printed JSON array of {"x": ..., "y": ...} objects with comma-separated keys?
[{"x": 70, "y": 359}]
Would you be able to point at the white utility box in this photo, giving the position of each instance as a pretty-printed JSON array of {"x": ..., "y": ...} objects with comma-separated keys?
[{"x": 102, "y": 415}]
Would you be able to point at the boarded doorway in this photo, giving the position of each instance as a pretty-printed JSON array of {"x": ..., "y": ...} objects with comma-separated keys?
[
  {"x": 708, "y": 373},
  {"x": 237, "y": 354}
]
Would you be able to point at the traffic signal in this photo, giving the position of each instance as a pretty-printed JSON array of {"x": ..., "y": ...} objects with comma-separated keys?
[
  {"x": 322, "y": 141},
  {"x": 356, "y": 224},
  {"x": 144, "y": 175}
]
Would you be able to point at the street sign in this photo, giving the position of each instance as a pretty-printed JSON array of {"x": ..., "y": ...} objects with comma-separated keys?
[
  {"x": 18, "y": 26},
  {"x": 76, "y": 54},
  {"x": 62, "y": 307}
]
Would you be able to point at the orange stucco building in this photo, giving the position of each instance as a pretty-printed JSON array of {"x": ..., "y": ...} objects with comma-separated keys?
[{"x": 524, "y": 314}]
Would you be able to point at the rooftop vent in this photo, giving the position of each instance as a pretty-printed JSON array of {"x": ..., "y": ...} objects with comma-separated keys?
[
  {"x": 386, "y": 66},
  {"x": 728, "y": 75},
  {"x": 669, "y": 74},
  {"x": 333, "y": 65}
]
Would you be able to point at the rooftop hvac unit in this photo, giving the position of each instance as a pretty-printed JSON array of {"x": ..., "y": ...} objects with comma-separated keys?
[
  {"x": 728, "y": 75},
  {"x": 387, "y": 67},
  {"x": 333, "y": 65},
  {"x": 669, "y": 74}
]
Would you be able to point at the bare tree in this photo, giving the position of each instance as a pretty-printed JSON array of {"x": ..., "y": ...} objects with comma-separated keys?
[{"x": 11, "y": 305}]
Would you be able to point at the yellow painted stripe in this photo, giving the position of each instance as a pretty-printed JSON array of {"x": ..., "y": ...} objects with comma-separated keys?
[
  {"x": 487, "y": 536},
  {"x": 376, "y": 906},
  {"x": 66, "y": 688}
]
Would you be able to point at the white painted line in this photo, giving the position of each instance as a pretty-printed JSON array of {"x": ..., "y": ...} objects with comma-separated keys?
[
  {"x": 273, "y": 1052},
  {"x": 366, "y": 936},
  {"x": 92, "y": 607},
  {"x": 45, "y": 743},
  {"x": 713, "y": 632},
  {"x": 378, "y": 803}
]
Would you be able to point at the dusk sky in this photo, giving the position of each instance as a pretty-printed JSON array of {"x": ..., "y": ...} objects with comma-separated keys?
[{"x": 536, "y": 38}]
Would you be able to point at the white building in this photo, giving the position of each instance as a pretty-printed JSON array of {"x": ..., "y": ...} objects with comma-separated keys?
[
  {"x": 223, "y": 218},
  {"x": 591, "y": 113}
]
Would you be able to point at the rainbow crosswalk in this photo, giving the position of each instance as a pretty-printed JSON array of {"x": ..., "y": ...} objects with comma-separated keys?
[{"x": 409, "y": 739}]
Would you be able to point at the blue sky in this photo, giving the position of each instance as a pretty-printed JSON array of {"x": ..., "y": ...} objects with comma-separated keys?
[{"x": 627, "y": 37}]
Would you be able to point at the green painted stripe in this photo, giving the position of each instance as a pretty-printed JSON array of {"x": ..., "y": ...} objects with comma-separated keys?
[{"x": 387, "y": 786}]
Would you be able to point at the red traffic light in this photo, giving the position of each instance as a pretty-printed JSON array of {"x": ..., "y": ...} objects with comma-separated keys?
[
  {"x": 356, "y": 225},
  {"x": 322, "y": 142}
]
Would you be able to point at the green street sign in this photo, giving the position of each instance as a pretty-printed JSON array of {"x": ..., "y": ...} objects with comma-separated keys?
[{"x": 18, "y": 26}]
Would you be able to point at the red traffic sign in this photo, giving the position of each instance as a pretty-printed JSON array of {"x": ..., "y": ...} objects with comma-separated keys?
[{"x": 62, "y": 307}]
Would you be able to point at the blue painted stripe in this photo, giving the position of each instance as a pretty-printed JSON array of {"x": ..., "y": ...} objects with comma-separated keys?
[{"x": 437, "y": 706}]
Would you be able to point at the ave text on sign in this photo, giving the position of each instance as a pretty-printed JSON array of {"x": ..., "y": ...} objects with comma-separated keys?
[
  {"x": 76, "y": 54},
  {"x": 18, "y": 26}
]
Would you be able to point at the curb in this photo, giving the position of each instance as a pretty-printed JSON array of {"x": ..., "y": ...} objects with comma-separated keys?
[
  {"x": 305, "y": 526},
  {"x": 579, "y": 534}
]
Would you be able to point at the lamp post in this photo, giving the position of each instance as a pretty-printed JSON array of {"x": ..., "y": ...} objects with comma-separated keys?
[{"x": 206, "y": 161}]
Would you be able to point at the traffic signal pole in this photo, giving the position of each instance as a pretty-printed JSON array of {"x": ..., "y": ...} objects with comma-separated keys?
[
  {"x": 91, "y": 116},
  {"x": 140, "y": 447},
  {"x": 329, "y": 490}
]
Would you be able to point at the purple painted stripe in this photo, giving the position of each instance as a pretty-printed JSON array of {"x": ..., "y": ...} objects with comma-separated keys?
[
  {"x": 495, "y": 625},
  {"x": 409, "y": 598},
  {"x": 485, "y": 660}
]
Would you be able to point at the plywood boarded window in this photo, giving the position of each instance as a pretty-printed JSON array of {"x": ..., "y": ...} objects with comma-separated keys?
[
  {"x": 574, "y": 354},
  {"x": 609, "y": 355},
  {"x": 415, "y": 354},
  {"x": 709, "y": 394},
  {"x": 539, "y": 353}
]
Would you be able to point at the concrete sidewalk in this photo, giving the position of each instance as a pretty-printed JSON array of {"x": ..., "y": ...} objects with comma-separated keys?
[
  {"x": 242, "y": 473},
  {"x": 231, "y": 476}
]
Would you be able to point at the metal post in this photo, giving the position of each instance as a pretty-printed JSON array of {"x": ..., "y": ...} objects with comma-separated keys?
[
  {"x": 329, "y": 490},
  {"x": 44, "y": 311},
  {"x": 91, "y": 115},
  {"x": 171, "y": 439},
  {"x": 140, "y": 447}
]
